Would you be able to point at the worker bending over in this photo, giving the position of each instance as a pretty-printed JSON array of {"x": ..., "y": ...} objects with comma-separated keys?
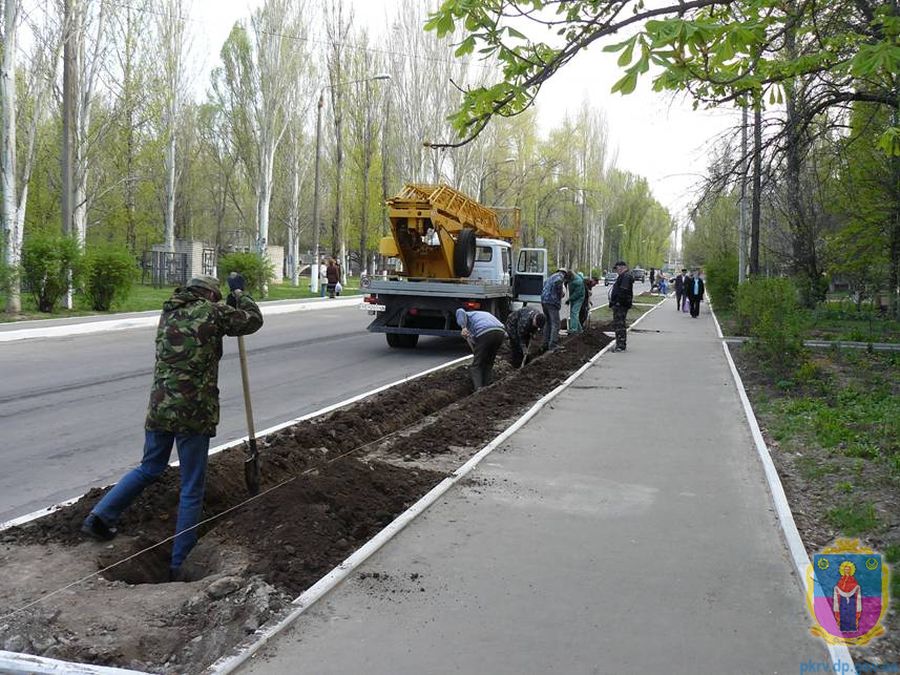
[
  {"x": 521, "y": 326},
  {"x": 485, "y": 334}
]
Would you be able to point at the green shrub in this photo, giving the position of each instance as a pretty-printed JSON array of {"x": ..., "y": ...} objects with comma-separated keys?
[
  {"x": 767, "y": 312},
  {"x": 722, "y": 278},
  {"x": 812, "y": 290},
  {"x": 109, "y": 274},
  {"x": 47, "y": 261},
  {"x": 256, "y": 270}
]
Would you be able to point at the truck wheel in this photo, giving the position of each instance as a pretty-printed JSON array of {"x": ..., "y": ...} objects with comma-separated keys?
[
  {"x": 401, "y": 340},
  {"x": 464, "y": 253}
]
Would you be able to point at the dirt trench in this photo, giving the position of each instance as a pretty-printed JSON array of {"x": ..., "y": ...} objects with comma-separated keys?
[{"x": 329, "y": 485}]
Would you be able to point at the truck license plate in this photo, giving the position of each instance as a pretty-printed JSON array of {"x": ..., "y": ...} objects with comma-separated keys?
[{"x": 371, "y": 308}]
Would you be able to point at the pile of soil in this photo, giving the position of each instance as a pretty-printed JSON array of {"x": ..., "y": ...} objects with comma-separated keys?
[{"x": 328, "y": 485}]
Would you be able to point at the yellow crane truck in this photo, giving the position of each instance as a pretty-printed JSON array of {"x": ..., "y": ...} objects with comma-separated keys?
[{"x": 453, "y": 252}]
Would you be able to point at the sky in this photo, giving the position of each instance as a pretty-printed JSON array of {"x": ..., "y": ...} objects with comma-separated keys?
[{"x": 654, "y": 135}]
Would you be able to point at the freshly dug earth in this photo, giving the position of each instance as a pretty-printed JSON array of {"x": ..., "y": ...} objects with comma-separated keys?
[
  {"x": 818, "y": 479},
  {"x": 328, "y": 485}
]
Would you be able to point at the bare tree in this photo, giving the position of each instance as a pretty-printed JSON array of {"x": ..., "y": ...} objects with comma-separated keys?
[
  {"x": 17, "y": 159},
  {"x": 171, "y": 29}
]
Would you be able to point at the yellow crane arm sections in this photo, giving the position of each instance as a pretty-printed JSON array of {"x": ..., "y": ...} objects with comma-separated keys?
[{"x": 426, "y": 221}]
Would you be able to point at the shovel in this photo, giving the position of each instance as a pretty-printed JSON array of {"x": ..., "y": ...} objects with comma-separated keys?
[{"x": 251, "y": 464}]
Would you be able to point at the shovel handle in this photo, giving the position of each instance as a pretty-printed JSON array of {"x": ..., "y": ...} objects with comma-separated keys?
[{"x": 245, "y": 382}]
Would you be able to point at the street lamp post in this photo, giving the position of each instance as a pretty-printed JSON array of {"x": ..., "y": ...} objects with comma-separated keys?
[{"x": 314, "y": 267}]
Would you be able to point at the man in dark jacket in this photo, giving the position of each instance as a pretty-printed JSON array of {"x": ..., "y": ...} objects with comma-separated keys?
[
  {"x": 679, "y": 288},
  {"x": 620, "y": 298},
  {"x": 184, "y": 404},
  {"x": 332, "y": 276},
  {"x": 485, "y": 333},
  {"x": 551, "y": 302},
  {"x": 521, "y": 327},
  {"x": 693, "y": 289}
]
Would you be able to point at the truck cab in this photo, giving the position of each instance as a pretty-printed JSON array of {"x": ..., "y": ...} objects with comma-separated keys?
[{"x": 492, "y": 261}]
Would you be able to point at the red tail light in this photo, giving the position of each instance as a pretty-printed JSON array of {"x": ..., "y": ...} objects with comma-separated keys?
[
  {"x": 471, "y": 304},
  {"x": 371, "y": 299},
  {"x": 413, "y": 311}
]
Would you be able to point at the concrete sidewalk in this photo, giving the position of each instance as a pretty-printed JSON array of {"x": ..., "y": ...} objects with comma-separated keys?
[{"x": 626, "y": 529}]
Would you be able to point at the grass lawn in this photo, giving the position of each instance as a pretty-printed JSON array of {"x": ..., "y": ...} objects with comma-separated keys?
[
  {"x": 831, "y": 322},
  {"x": 834, "y": 433}
]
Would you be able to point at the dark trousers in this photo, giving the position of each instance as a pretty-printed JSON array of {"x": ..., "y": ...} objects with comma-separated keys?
[
  {"x": 695, "y": 306},
  {"x": 486, "y": 347},
  {"x": 619, "y": 314},
  {"x": 678, "y": 297},
  {"x": 551, "y": 326}
]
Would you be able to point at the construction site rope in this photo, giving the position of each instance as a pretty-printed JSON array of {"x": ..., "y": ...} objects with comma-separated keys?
[{"x": 99, "y": 572}]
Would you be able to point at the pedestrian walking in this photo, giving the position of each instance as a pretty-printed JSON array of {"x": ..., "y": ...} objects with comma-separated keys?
[
  {"x": 694, "y": 289},
  {"x": 551, "y": 302},
  {"x": 521, "y": 327},
  {"x": 621, "y": 296},
  {"x": 679, "y": 288},
  {"x": 332, "y": 276},
  {"x": 663, "y": 285},
  {"x": 576, "y": 299},
  {"x": 184, "y": 405},
  {"x": 485, "y": 334}
]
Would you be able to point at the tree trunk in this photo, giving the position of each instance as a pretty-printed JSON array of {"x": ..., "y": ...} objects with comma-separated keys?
[
  {"x": 169, "y": 238},
  {"x": 294, "y": 218},
  {"x": 12, "y": 231},
  {"x": 756, "y": 196}
]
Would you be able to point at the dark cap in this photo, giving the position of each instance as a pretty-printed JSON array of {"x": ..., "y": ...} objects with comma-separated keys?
[
  {"x": 621, "y": 263},
  {"x": 205, "y": 282}
]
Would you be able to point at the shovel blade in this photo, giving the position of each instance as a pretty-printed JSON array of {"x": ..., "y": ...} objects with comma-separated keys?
[
  {"x": 251, "y": 469},
  {"x": 251, "y": 474}
]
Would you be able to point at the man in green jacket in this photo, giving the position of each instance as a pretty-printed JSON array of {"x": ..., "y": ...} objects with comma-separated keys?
[{"x": 184, "y": 404}]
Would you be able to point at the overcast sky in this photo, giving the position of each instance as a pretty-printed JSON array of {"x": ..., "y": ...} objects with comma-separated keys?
[{"x": 653, "y": 134}]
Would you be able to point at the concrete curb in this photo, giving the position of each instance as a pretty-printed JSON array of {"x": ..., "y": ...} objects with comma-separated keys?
[
  {"x": 841, "y": 660},
  {"x": 14, "y": 663},
  {"x": 152, "y": 318},
  {"x": 17, "y": 663},
  {"x": 330, "y": 581},
  {"x": 40, "y": 513}
]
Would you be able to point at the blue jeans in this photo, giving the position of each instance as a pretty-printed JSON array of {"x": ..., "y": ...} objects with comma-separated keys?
[
  {"x": 551, "y": 326},
  {"x": 193, "y": 452}
]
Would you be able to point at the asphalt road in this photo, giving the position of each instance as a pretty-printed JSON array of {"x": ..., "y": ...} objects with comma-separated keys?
[{"x": 72, "y": 409}]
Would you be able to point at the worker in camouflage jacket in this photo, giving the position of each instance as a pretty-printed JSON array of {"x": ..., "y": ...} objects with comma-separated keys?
[
  {"x": 521, "y": 327},
  {"x": 184, "y": 404}
]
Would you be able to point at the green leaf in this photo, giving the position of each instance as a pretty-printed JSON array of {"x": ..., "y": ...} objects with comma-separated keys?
[
  {"x": 627, "y": 84},
  {"x": 626, "y": 55}
]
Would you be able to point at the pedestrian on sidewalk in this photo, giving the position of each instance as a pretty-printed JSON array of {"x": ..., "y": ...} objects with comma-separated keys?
[
  {"x": 621, "y": 296},
  {"x": 184, "y": 405},
  {"x": 332, "y": 276},
  {"x": 485, "y": 335},
  {"x": 551, "y": 302},
  {"x": 576, "y": 300},
  {"x": 694, "y": 289},
  {"x": 679, "y": 288},
  {"x": 521, "y": 327}
]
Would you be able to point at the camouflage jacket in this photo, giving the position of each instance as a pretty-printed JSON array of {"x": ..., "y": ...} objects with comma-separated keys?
[
  {"x": 520, "y": 326},
  {"x": 185, "y": 394}
]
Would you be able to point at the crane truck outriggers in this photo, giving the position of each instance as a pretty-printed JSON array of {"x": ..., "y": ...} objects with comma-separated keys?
[{"x": 454, "y": 253}]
